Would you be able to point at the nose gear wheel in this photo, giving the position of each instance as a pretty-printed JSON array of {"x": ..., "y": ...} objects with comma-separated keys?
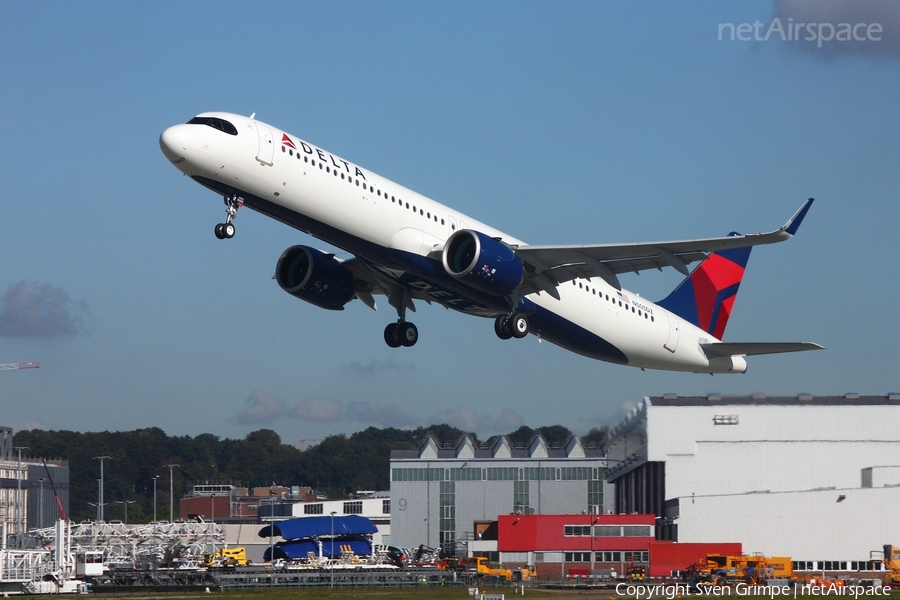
[{"x": 225, "y": 231}]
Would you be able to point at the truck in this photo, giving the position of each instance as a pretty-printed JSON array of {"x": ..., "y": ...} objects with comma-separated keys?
[
  {"x": 755, "y": 569},
  {"x": 891, "y": 565},
  {"x": 481, "y": 566},
  {"x": 227, "y": 557}
]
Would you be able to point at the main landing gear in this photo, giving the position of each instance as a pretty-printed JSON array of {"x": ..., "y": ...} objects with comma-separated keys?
[
  {"x": 401, "y": 333},
  {"x": 511, "y": 326},
  {"x": 225, "y": 231}
]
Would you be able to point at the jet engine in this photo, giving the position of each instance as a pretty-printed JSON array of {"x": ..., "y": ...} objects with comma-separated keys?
[
  {"x": 315, "y": 276},
  {"x": 482, "y": 262}
]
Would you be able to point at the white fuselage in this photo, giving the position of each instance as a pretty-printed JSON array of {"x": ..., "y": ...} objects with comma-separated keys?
[{"x": 350, "y": 207}]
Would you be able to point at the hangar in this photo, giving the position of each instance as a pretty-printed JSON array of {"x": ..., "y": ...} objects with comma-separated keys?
[{"x": 816, "y": 478}]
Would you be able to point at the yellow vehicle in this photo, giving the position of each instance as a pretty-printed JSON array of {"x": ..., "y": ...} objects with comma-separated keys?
[
  {"x": 228, "y": 557},
  {"x": 636, "y": 575},
  {"x": 480, "y": 565},
  {"x": 892, "y": 564},
  {"x": 525, "y": 573},
  {"x": 755, "y": 569}
]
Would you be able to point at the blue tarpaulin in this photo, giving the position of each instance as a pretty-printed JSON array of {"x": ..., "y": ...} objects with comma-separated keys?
[
  {"x": 301, "y": 548},
  {"x": 326, "y": 525}
]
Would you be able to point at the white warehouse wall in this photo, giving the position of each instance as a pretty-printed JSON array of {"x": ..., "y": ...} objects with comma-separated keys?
[
  {"x": 811, "y": 526},
  {"x": 772, "y": 447}
]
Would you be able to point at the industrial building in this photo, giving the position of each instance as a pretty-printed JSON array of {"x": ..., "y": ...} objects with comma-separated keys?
[
  {"x": 27, "y": 500},
  {"x": 449, "y": 495},
  {"x": 816, "y": 478}
]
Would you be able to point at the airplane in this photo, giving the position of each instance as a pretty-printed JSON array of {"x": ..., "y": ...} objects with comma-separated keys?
[{"x": 411, "y": 248}]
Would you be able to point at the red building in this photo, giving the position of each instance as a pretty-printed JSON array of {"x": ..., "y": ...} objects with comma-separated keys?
[
  {"x": 573, "y": 544},
  {"x": 666, "y": 558}
]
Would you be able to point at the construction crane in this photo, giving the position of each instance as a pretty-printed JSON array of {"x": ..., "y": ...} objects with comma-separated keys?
[
  {"x": 304, "y": 440},
  {"x": 24, "y": 365}
]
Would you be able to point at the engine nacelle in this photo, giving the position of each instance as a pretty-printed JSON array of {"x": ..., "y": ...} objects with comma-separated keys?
[
  {"x": 482, "y": 262},
  {"x": 314, "y": 276}
]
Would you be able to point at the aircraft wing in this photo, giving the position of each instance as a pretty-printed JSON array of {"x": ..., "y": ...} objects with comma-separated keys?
[{"x": 550, "y": 266}]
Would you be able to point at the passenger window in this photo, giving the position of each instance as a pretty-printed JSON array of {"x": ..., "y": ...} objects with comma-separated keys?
[
  {"x": 442, "y": 221},
  {"x": 283, "y": 149}
]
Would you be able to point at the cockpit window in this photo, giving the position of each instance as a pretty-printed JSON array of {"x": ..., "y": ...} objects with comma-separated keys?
[{"x": 215, "y": 123}]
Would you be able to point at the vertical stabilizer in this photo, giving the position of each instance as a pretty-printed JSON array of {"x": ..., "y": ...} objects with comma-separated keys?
[{"x": 706, "y": 297}]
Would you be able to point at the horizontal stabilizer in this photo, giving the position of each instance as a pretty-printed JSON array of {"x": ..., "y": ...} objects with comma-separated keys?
[{"x": 756, "y": 348}]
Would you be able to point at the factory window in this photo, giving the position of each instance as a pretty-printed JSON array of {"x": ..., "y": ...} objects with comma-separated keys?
[
  {"x": 578, "y": 557},
  {"x": 312, "y": 509},
  {"x": 610, "y": 556},
  {"x": 595, "y": 496},
  {"x": 520, "y": 497},
  {"x": 637, "y": 531},
  {"x": 575, "y": 473},
  {"x": 608, "y": 531},
  {"x": 465, "y": 474},
  {"x": 577, "y": 530},
  {"x": 725, "y": 420},
  {"x": 353, "y": 508},
  {"x": 385, "y": 507},
  {"x": 503, "y": 474}
]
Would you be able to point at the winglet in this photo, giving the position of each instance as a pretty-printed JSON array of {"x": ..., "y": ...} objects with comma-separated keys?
[{"x": 793, "y": 223}]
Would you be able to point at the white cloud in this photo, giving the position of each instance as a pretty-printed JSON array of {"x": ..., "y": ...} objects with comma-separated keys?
[
  {"x": 41, "y": 310},
  {"x": 261, "y": 407},
  {"x": 316, "y": 410}
]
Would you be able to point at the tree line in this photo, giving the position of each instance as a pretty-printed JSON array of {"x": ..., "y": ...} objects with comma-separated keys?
[{"x": 338, "y": 465}]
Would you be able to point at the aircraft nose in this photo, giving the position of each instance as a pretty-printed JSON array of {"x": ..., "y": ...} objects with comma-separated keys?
[{"x": 174, "y": 142}]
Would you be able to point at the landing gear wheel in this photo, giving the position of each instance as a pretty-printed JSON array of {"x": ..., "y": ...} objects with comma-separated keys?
[
  {"x": 228, "y": 230},
  {"x": 219, "y": 231},
  {"x": 517, "y": 325},
  {"x": 407, "y": 333},
  {"x": 390, "y": 336},
  {"x": 501, "y": 329}
]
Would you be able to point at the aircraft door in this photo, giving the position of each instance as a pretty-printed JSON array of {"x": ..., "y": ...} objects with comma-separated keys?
[
  {"x": 266, "y": 145},
  {"x": 672, "y": 340}
]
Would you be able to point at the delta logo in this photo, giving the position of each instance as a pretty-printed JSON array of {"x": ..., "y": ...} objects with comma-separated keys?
[{"x": 287, "y": 141}]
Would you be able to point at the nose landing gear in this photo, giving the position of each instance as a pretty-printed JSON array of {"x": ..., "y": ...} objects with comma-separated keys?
[{"x": 225, "y": 231}]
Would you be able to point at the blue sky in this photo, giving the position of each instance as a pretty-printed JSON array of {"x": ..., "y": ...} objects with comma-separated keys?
[{"x": 581, "y": 122}]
